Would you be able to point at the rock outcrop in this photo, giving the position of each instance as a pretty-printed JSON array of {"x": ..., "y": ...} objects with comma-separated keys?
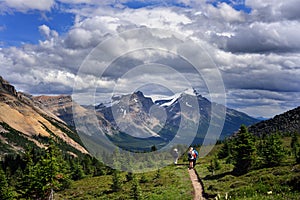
[{"x": 5, "y": 86}]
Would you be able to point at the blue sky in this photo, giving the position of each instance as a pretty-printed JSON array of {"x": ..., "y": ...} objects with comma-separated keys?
[
  {"x": 255, "y": 45},
  {"x": 21, "y": 27}
]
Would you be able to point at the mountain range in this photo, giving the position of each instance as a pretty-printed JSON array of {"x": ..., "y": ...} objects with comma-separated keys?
[
  {"x": 131, "y": 121},
  {"x": 160, "y": 120}
]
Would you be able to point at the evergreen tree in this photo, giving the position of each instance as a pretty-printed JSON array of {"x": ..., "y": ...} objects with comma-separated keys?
[
  {"x": 99, "y": 168},
  {"x": 153, "y": 148},
  {"x": 77, "y": 172},
  {"x": 295, "y": 146},
  {"x": 117, "y": 184},
  {"x": 136, "y": 190},
  {"x": 226, "y": 150},
  {"x": 244, "y": 151},
  {"x": 26, "y": 185},
  {"x": 48, "y": 174},
  {"x": 16, "y": 177},
  {"x": 87, "y": 165},
  {"x": 117, "y": 162},
  {"x": 129, "y": 176},
  {"x": 298, "y": 157},
  {"x": 272, "y": 150},
  {"x": 294, "y": 142},
  {"x": 6, "y": 192},
  {"x": 143, "y": 179},
  {"x": 214, "y": 165},
  {"x": 158, "y": 174}
]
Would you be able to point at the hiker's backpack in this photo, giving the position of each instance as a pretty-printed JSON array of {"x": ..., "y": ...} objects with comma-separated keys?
[{"x": 196, "y": 153}]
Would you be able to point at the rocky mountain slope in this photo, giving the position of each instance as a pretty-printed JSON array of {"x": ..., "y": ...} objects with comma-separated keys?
[
  {"x": 288, "y": 122},
  {"x": 60, "y": 106},
  {"x": 131, "y": 114},
  {"x": 141, "y": 117},
  {"x": 135, "y": 120},
  {"x": 25, "y": 122},
  {"x": 131, "y": 119}
]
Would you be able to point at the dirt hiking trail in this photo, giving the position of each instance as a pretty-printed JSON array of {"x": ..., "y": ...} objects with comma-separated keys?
[{"x": 198, "y": 191}]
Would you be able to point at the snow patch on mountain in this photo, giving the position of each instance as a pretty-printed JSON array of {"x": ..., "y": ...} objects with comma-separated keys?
[{"x": 169, "y": 100}]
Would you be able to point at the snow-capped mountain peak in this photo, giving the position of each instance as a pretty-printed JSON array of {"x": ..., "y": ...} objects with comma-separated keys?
[{"x": 166, "y": 101}]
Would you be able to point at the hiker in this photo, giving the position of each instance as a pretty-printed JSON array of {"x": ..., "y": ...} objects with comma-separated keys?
[
  {"x": 195, "y": 153},
  {"x": 191, "y": 158},
  {"x": 175, "y": 156}
]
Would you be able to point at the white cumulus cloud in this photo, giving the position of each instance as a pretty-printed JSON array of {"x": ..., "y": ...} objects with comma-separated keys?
[{"x": 25, "y": 5}]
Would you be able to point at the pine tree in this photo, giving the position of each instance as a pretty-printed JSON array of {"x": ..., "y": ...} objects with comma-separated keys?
[
  {"x": 153, "y": 148},
  {"x": 26, "y": 187},
  {"x": 295, "y": 147},
  {"x": 16, "y": 177},
  {"x": 99, "y": 168},
  {"x": 226, "y": 150},
  {"x": 117, "y": 184},
  {"x": 87, "y": 165},
  {"x": 77, "y": 172},
  {"x": 294, "y": 141},
  {"x": 129, "y": 176},
  {"x": 298, "y": 157},
  {"x": 136, "y": 190},
  {"x": 244, "y": 151},
  {"x": 158, "y": 174},
  {"x": 272, "y": 150},
  {"x": 6, "y": 192},
  {"x": 45, "y": 176},
  {"x": 117, "y": 162},
  {"x": 143, "y": 179},
  {"x": 214, "y": 165}
]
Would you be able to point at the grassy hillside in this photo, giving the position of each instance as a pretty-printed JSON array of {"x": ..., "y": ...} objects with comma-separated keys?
[
  {"x": 280, "y": 182},
  {"x": 171, "y": 182}
]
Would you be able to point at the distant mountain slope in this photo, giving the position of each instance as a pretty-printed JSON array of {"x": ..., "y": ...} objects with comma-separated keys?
[
  {"x": 137, "y": 113},
  {"x": 63, "y": 107},
  {"x": 135, "y": 120},
  {"x": 288, "y": 122},
  {"x": 24, "y": 122},
  {"x": 60, "y": 106}
]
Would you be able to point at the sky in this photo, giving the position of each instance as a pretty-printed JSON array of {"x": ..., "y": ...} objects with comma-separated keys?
[{"x": 51, "y": 46}]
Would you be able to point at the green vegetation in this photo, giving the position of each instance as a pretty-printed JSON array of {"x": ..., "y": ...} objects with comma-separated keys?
[
  {"x": 18, "y": 139},
  {"x": 39, "y": 173},
  {"x": 243, "y": 151},
  {"x": 72, "y": 134},
  {"x": 14, "y": 137},
  {"x": 6, "y": 191},
  {"x": 295, "y": 146},
  {"x": 273, "y": 172},
  {"x": 263, "y": 178},
  {"x": 242, "y": 167},
  {"x": 48, "y": 174},
  {"x": 214, "y": 165},
  {"x": 271, "y": 150},
  {"x": 61, "y": 143},
  {"x": 171, "y": 182}
]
